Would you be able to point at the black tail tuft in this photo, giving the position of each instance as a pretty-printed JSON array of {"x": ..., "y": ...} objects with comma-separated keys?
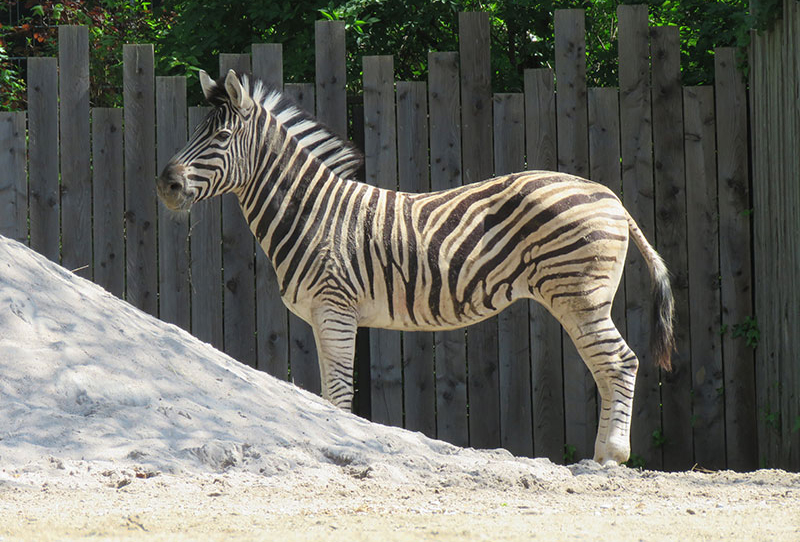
[{"x": 662, "y": 339}]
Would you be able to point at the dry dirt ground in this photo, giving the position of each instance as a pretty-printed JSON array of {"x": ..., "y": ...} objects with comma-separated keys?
[
  {"x": 588, "y": 503},
  {"x": 114, "y": 425}
]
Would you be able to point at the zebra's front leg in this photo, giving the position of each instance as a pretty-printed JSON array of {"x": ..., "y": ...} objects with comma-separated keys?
[{"x": 335, "y": 336}]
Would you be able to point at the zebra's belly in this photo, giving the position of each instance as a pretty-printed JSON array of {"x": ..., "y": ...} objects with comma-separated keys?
[
  {"x": 420, "y": 317},
  {"x": 407, "y": 324}
]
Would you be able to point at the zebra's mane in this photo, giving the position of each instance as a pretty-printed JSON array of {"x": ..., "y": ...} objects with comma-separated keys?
[{"x": 339, "y": 155}]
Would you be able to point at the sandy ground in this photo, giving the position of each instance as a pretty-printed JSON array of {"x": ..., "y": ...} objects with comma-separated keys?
[
  {"x": 86, "y": 501},
  {"x": 114, "y": 425}
]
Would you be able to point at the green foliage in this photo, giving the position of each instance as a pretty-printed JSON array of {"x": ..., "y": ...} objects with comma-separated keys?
[
  {"x": 11, "y": 83},
  {"x": 188, "y": 35},
  {"x": 636, "y": 462},
  {"x": 772, "y": 418},
  {"x": 111, "y": 24},
  {"x": 703, "y": 25},
  {"x": 350, "y": 17},
  {"x": 569, "y": 453},
  {"x": 202, "y": 30},
  {"x": 749, "y": 330},
  {"x": 659, "y": 440},
  {"x": 764, "y": 13},
  {"x": 521, "y": 32}
]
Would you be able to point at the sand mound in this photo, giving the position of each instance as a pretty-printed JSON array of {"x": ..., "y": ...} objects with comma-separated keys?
[
  {"x": 114, "y": 424},
  {"x": 89, "y": 379}
]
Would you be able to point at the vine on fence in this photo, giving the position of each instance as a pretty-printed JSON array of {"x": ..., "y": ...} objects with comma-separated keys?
[{"x": 749, "y": 330}]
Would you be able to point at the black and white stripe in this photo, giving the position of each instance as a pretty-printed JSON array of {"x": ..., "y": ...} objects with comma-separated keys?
[{"x": 347, "y": 254}]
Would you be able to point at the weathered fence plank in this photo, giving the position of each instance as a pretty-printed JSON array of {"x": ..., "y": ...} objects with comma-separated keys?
[
  {"x": 304, "y": 370},
  {"x": 790, "y": 139},
  {"x": 173, "y": 228},
  {"x": 380, "y": 148},
  {"x": 476, "y": 96},
  {"x": 476, "y": 126},
  {"x": 786, "y": 312},
  {"x": 790, "y": 142},
  {"x": 14, "y": 181},
  {"x": 268, "y": 63},
  {"x": 774, "y": 162},
  {"x": 637, "y": 180},
  {"x": 767, "y": 57},
  {"x": 735, "y": 258},
  {"x": 580, "y": 407},
  {"x": 108, "y": 190},
  {"x": 571, "y": 106},
  {"x": 238, "y": 258},
  {"x": 704, "y": 296},
  {"x": 140, "y": 172},
  {"x": 76, "y": 181},
  {"x": 778, "y": 238},
  {"x": 604, "y": 146},
  {"x": 412, "y": 176},
  {"x": 43, "y": 156},
  {"x": 540, "y": 119},
  {"x": 205, "y": 240},
  {"x": 547, "y": 381},
  {"x": 331, "y": 75},
  {"x": 762, "y": 287},
  {"x": 272, "y": 319},
  {"x": 514, "y": 374},
  {"x": 671, "y": 239},
  {"x": 302, "y": 94},
  {"x": 450, "y": 347}
]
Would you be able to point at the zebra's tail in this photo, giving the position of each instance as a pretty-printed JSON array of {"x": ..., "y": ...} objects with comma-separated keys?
[{"x": 662, "y": 340}]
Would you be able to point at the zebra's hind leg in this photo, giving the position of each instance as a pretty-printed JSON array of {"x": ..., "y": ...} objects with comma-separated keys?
[
  {"x": 335, "y": 336},
  {"x": 613, "y": 366}
]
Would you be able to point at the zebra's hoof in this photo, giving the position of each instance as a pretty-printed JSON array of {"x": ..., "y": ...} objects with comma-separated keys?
[{"x": 612, "y": 455}]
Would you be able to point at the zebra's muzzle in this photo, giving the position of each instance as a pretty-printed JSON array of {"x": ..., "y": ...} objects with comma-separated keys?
[{"x": 173, "y": 189}]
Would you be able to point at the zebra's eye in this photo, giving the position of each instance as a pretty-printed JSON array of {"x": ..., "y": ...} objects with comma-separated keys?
[{"x": 223, "y": 135}]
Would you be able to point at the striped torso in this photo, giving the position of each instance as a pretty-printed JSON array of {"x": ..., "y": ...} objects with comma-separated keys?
[{"x": 439, "y": 260}]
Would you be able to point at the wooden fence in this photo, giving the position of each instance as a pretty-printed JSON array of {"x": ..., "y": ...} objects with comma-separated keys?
[
  {"x": 678, "y": 156},
  {"x": 775, "y": 114}
]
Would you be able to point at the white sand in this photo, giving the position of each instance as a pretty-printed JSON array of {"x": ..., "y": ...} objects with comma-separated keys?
[{"x": 85, "y": 376}]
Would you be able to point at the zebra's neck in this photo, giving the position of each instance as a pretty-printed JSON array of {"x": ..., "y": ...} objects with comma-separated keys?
[{"x": 297, "y": 164}]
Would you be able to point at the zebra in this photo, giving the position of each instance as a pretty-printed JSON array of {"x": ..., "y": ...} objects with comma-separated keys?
[{"x": 347, "y": 254}]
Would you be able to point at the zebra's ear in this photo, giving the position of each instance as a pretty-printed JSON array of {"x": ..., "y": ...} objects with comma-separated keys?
[
  {"x": 207, "y": 84},
  {"x": 238, "y": 96}
]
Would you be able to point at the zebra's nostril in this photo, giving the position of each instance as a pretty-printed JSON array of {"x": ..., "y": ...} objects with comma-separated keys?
[{"x": 175, "y": 186}]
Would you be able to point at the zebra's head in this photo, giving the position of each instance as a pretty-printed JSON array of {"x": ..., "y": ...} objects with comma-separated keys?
[{"x": 214, "y": 161}]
